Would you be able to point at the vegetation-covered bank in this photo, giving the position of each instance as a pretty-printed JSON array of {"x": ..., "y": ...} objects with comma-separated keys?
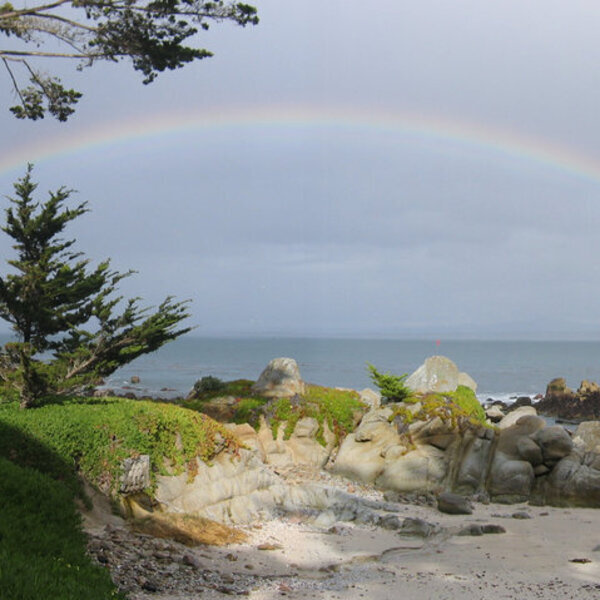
[
  {"x": 234, "y": 401},
  {"x": 42, "y": 546},
  {"x": 42, "y": 453},
  {"x": 94, "y": 436}
]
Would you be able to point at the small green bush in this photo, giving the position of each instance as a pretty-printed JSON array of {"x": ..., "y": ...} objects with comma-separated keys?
[
  {"x": 465, "y": 398},
  {"x": 392, "y": 387},
  {"x": 208, "y": 385}
]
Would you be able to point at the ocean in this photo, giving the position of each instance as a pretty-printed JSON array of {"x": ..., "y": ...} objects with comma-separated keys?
[{"x": 502, "y": 369}]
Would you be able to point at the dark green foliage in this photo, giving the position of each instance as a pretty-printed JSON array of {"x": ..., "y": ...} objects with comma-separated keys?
[
  {"x": 392, "y": 387},
  {"x": 155, "y": 35},
  {"x": 42, "y": 547},
  {"x": 208, "y": 385},
  {"x": 338, "y": 408},
  {"x": 94, "y": 436},
  {"x": 58, "y": 305}
]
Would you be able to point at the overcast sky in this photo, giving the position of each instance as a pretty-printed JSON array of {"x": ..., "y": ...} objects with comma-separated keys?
[{"x": 317, "y": 226}]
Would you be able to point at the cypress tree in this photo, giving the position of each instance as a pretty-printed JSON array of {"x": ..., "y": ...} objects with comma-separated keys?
[{"x": 71, "y": 328}]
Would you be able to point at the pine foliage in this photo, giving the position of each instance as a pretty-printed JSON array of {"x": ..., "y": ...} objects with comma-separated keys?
[{"x": 61, "y": 307}]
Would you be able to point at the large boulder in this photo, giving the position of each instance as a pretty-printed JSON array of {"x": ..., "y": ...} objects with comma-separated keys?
[
  {"x": 421, "y": 470},
  {"x": 436, "y": 374},
  {"x": 280, "y": 379},
  {"x": 587, "y": 436},
  {"x": 362, "y": 454}
]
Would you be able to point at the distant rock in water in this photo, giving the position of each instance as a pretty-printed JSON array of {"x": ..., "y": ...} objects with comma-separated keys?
[
  {"x": 563, "y": 403},
  {"x": 439, "y": 374}
]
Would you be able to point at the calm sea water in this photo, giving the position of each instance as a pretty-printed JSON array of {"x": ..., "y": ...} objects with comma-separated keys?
[{"x": 502, "y": 369}]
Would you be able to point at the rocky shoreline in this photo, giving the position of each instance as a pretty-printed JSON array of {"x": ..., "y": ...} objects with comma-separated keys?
[
  {"x": 407, "y": 498},
  {"x": 541, "y": 553}
]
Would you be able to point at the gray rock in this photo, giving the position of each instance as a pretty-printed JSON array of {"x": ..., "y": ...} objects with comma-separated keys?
[
  {"x": 492, "y": 528},
  {"x": 555, "y": 442},
  {"x": 417, "y": 527},
  {"x": 135, "y": 475},
  {"x": 280, "y": 379},
  {"x": 453, "y": 504},
  {"x": 512, "y": 418},
  {"x": 436, "y": 374},
  {"x": 588, "y": 434},
  {"x": 472, "y": 529}
]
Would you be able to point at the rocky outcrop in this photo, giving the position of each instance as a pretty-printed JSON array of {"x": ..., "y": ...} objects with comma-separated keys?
[
  {"x": 438, "y": 374},
  {"x": 280, "y": 379},
  {"x": 561, "y": 402},
  {"x": 522, "y": 460}
]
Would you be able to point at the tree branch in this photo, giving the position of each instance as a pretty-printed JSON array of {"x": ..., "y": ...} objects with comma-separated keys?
[
  {"x": 33, "y": 10},
  {"x": 14, "y": 81}
]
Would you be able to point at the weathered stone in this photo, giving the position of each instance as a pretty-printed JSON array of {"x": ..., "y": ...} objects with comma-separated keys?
[
  {"x": 280, "y": 379},
  {"x": 510, "y": 480},
  {"x": 473, "y": 468},
  {"x": 510, "y": 419},
  {"x": 436, "y": 374},
  {"x": 530, "y": 451},
  {"x": 364, "y": 460},
  {"x": 467, "y": 381},
  {"x": 588, "y": 434},
  {"x": 454, "y": 504},
  {"x": 136, "y": 474},
  {"x": 370, "y": 397},
  {"x": 422, "y": 469},
  {"x": 555, "y": 443},
  {"x": 494, "y": 414},
  {"x": 587, "y": 388}
]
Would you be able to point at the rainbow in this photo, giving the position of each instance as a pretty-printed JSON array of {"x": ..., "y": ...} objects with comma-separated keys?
[{"x": 453, "y": 131}]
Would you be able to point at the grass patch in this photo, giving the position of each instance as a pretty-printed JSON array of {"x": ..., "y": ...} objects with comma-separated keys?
[
  {"x": 42, "y": 546},
  {"x": 336, "y": 407},
  {"x": 94, "y": 436},
  {"x": 460, "y": 408}
]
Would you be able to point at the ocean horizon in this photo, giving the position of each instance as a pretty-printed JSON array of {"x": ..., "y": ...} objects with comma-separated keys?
[{"x": 503, "y": 369}]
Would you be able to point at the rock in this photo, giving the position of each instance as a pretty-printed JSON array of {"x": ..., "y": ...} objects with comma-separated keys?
[
  {"x": 135, "y": 474},
  {"x": 417, "y": 527},
  {"x": 515, "y": 415},
  {"x": 511, "y": 480},
  {"x": 587, "y": 388},
  {"x": 588, "y": 436},
  {"x": 555, "y": 443},
  {"x": 421, "y": 470},
  {"x": 492, "y": 528},
  {"x": 574, "y": 481},
  {"x": 453, "y": 504},
  {"x": 436, "y": 374},
  {"x": 528, "y": 450},
  {"x": 472, "y": 529},
  {"x": 494, "y": 414},
  {"x": 472, "y": 472},
  {"x": 467, "y": 381},
  {"x": 134, "y": 379},
  {"x": 280, "y": 379},
  {"x": 361, "y": 455},
  {"x": 370, "y": 397},
  {"x": 521, "y": 514}
]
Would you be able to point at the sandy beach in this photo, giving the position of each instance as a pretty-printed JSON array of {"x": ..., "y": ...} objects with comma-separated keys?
[{"x": 545, "y": 552}]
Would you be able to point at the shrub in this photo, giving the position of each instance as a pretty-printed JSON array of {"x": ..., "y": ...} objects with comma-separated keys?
[
  {"x": 392, "y": 387},
  {"x": 208, "y": 385}
]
